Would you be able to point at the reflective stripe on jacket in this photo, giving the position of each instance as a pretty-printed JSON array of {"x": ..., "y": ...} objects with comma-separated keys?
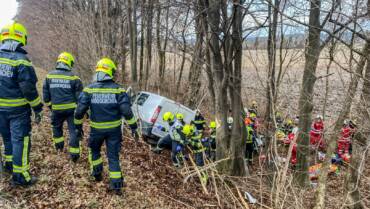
[
  {"x": 17, "y": 80},
  {"x": 61, "y": 89},
  {"x": 108, "y": 103}
]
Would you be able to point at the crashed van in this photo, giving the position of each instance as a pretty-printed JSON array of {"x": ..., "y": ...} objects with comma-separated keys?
[{"x": 149, "y": 109}]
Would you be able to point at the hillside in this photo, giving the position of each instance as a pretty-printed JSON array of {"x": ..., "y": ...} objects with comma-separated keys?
[{"x": 152, "y": 182}]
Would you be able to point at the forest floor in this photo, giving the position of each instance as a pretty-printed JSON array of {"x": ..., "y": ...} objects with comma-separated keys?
[{"x": 152, "y": 182}]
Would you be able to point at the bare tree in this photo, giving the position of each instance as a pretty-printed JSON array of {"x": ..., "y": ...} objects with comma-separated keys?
[
  {"x": 312, "y": 53},
  {"x": 132, "y": 21}
]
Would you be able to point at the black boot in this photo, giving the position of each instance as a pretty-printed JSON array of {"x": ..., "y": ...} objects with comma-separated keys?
[
  {"x": 24, "y": 184},
  {"x": 116, "y": 187},
  {"x": 59, "y": 146},
  {"x": 74, "y": 157},
  {"x": 98, "y": 177},
  {"x": 8, "y": 167}
]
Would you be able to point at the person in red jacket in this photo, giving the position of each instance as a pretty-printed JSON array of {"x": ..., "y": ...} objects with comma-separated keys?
[
  {"x": 345, "y": 141},
  {"x": 316, "y": 133},
  {"x": 293, "y": 159}
]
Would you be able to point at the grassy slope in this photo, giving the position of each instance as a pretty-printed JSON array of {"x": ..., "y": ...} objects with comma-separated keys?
[{"x": 152, "y": 183}]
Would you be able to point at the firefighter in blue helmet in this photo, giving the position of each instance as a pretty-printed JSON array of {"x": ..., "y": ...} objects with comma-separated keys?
[
  {"x": 61, "y": 91},
  {"x": 17, "y": 96},
  {"x": 108, "y": 103}
]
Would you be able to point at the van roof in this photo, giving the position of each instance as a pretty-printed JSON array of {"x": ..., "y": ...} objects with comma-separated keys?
[
  {"x": 152, "y": 94},
  {"x": 165, "y": 98}
]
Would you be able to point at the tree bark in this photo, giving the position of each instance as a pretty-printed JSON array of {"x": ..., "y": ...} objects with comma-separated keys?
[
  {"x": 361, "y": 143},
  {"x": 222, "y": 138},
  {"x": 149, "y": 40},
  {"x": 183, "y": 59},
  {"x": 142, "y": 41},
  {"x": 238, "y": 167},
  {"x": 131, "y": 11},
  {"x": 332, "y": 142},
  {"x": 161, "y": 49},
  {"x": 312, "y": 53},
  {"x": 198, "y": 56},
  {"x": 271, "y": 51},
  {"x": 230, "y": 145}
]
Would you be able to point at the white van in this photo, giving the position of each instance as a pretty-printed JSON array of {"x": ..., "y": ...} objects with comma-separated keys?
[{"x": 149, "y": 109}]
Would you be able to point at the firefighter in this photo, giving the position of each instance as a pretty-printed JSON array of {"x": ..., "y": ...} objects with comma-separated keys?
[
  {"x": 166, "y": 141},
  {"x": 108, "y": 103},
  {"x": 253, "y": 108},
  {"x": 180, "y": 118},
  {"x": 196, "y": 145},
  {"x": 18, "y": 95},
  {"x": 249, "y": 141},
  {"x": 211, "y": 149},
  {"x": 177, "y": 139},
  {"x": 61, "y": 90},
  {"x": 197, "y": 148},
  {"x": 288, "y": 127},
  {"x": 279, "y": 119},
  {"x": 199, "y": 121}
]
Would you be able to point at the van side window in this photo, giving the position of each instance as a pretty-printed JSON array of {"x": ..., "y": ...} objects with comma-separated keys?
[{"x": 142, "y": 98}]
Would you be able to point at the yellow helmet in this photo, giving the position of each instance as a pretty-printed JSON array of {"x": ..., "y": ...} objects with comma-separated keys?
[
  {"x": 252, "y": 115},
  {"x": 168, "y": 116},
  {"x": 66, "y": 58},
  {"x": 179, "y": 116},
  {"x": 289, "y": 122},
  {"x": 280, "y": 134},
  {"x": 14, "y": 31},
  {"x": 254, "y": 103},
  {"x": 187, "y": 129},
  {"x": 212, "y": 124},
  {"x": 106, "y": 66}
]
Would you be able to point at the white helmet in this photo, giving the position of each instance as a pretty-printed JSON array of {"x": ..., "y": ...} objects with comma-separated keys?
[
  {"x": 346, "y": 122},
  {"x": 319, "y": 117},
  {"x": 230, "y": 120}
]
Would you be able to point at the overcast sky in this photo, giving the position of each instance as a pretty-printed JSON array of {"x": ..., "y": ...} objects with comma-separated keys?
[{"x": 8, "y": 9}]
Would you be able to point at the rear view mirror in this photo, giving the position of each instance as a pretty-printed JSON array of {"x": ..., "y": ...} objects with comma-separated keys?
[{"x": 130, "y": 91}]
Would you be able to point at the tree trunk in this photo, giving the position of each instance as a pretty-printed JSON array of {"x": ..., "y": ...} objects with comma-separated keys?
[
  {"x": 230, "y": 146},
  {"x": 238, "y": 167},
  {"x": 271, "y": 51},
  {"x": 142, "y": 41},
  {"x": 183, "y": 59},
  {"x": 332, "y": 142},
  {"x": 198, "y": 56},
  {"x": 312, "y": 53},
  {"x": 149, "y": 40},
  {"x": 131, "y": 11},
  {"x": 360, "y": 144},
  {"x": 161, "y": 49},
  {"x": 222, "y": 138}
]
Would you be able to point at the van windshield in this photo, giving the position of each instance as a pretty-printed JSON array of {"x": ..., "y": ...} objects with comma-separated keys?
[{"x": 142, "y": 99}]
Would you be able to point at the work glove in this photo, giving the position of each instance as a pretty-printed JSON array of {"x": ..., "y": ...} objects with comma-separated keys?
[
  {"x": 204, "y": 140},
  {"x": 38, "y": 117},
  {"x": 178, "y": 148},
  {"x": 162, "y": 128},
  {"x": 79, "y": 131}
]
